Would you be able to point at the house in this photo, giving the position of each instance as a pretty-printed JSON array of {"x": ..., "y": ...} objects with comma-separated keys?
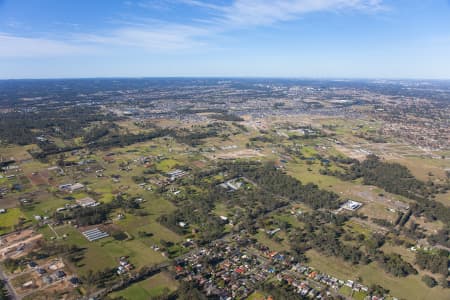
[
  {"x": 86, "y": 202},
  {"x": 28, "y": 284},
  {"x": 41, "y": 271},
  {"x": 68, "y": 187},
  {"x": 60, "y": 274},
  {"x": 349, "y": 283},
  {"x": 351, "y": 205},
  {"x": 32, "y": 264},
  {"x": 176, "y": 174},
  {"x": 179, "y": 269},
  {"x": 274, "y": 231},
  {"x": 74, "y": 280},
  {"x": 65, "y": 187},
  {"x": 75, "y": 187}
]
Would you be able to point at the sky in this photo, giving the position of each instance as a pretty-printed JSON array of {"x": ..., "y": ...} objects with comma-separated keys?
[{"x": 225, "y": 38}]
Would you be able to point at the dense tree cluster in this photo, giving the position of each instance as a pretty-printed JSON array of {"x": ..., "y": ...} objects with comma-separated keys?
[
  {"x": 441, "y": 237},
  {"x": 95, "y": 215},
  {"x": 226, "y": 117},
  {"x": 196, "y": 135},
  {"x": 197, "y": 210},
  {"x": 394, "y": 264},
  {"x": 436, "y": 261},
  {"x": 324, "y": 232},
  {"x": 99, "y": 278},
  {"x": 429, "y": 281},
  {"x": 23, "y": 127},
  {"x": 97, "y": 132},
  {"x": 122, "y": 140},
  {"x": 3, "y": 291},
  {"x": 189, "y": 291},
  {"x": 276, "y": 182}
]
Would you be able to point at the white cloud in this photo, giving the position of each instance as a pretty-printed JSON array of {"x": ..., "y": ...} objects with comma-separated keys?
[
  {"x": 266, "y": 12},
  {"x": 13, "y": 46},
  {"x": 165, "y": 38},
  {"x": 152, "y": 35}
]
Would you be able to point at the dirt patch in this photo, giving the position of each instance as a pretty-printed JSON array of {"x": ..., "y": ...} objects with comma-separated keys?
[
  {"x": 394, "y": 204},
  {"x": 246, "y": 153},
  {"x": 15, "y": 237},
  {"x": 199, "y": 164},
  {"x": 37, "y": 179},
  {"x": 8, "y": 202},
  {"x": 352, "y": 153},
  {"x": 19, "y": 247}
]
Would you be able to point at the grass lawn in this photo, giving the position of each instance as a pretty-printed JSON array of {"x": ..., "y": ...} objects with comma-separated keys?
[
  {"x": 9, "y": 219},
  {"x": 151, "y": 287},
  {"x": 420, "y": 167},
  {"x": 406, "y": 254},
  {"x": 357, "y": 228},
  {"x": 299, "y": 170},
  {"x": 345, "y": 290},
  {"x": 410, "y": 287},
  {"x": 106, "y": 252},
  {"x": 289, "y": 218},
  {"x": 257, "y": 295},
  {"x": 167, "y": 165},
  {"x": 221, "y": 209},
  {"x": 45, "y": 206},
  {"x": 359, "y": 295},
  {"x": 272, "y": 244},
  {"x": 155, "y": 206}
]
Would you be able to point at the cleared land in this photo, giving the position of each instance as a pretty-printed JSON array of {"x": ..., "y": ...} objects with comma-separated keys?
[{"x": 156, "y": 285}]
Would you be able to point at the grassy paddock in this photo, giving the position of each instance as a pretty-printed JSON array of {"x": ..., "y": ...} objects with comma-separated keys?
[
  {"x": 9, "y": 219},
  {"x": 410, "y": 287},
  {"x": 154, "y": 286}
]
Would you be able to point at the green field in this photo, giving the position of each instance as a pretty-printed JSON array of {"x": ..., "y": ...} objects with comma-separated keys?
[
  {"x": 167, "y": 164},
  {"x": 257, "y": 295},
  {"x": 9, "y": 219},
  {"x": 105, "y": 253},
  {"x": 156, "y": 285},
  {"x": 271, "y": 243},
  {"x": 410, "y": 287}
]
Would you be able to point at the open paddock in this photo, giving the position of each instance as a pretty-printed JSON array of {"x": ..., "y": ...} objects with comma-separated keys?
[
  {"x": 157, "y": 285},
  {"x": 12, "y": 217},
  {"x": 244, "y": 153},
  {"x": 105, "y": 253},
  {"x": 411, "y": 287}
]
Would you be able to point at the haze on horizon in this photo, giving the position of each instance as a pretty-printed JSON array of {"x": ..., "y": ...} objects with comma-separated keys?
[{"x": 230, "y": 38}]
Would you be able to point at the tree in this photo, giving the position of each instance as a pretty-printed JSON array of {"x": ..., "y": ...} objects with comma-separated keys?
[
  {"x": 188, "y": 291},
  {"x": 3, "y": 291},
  {"x": 429, "y": 281}
]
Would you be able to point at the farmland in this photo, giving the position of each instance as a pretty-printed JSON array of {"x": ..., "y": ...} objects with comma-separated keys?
[{"x": 183, "y": 198}]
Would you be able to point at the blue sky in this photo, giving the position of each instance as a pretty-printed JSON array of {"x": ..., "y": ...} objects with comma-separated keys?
[{"x": 277, "y": 38}]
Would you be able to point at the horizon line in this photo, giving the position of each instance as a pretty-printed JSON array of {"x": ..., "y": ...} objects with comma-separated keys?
[{"x": 232, "y": 77}]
